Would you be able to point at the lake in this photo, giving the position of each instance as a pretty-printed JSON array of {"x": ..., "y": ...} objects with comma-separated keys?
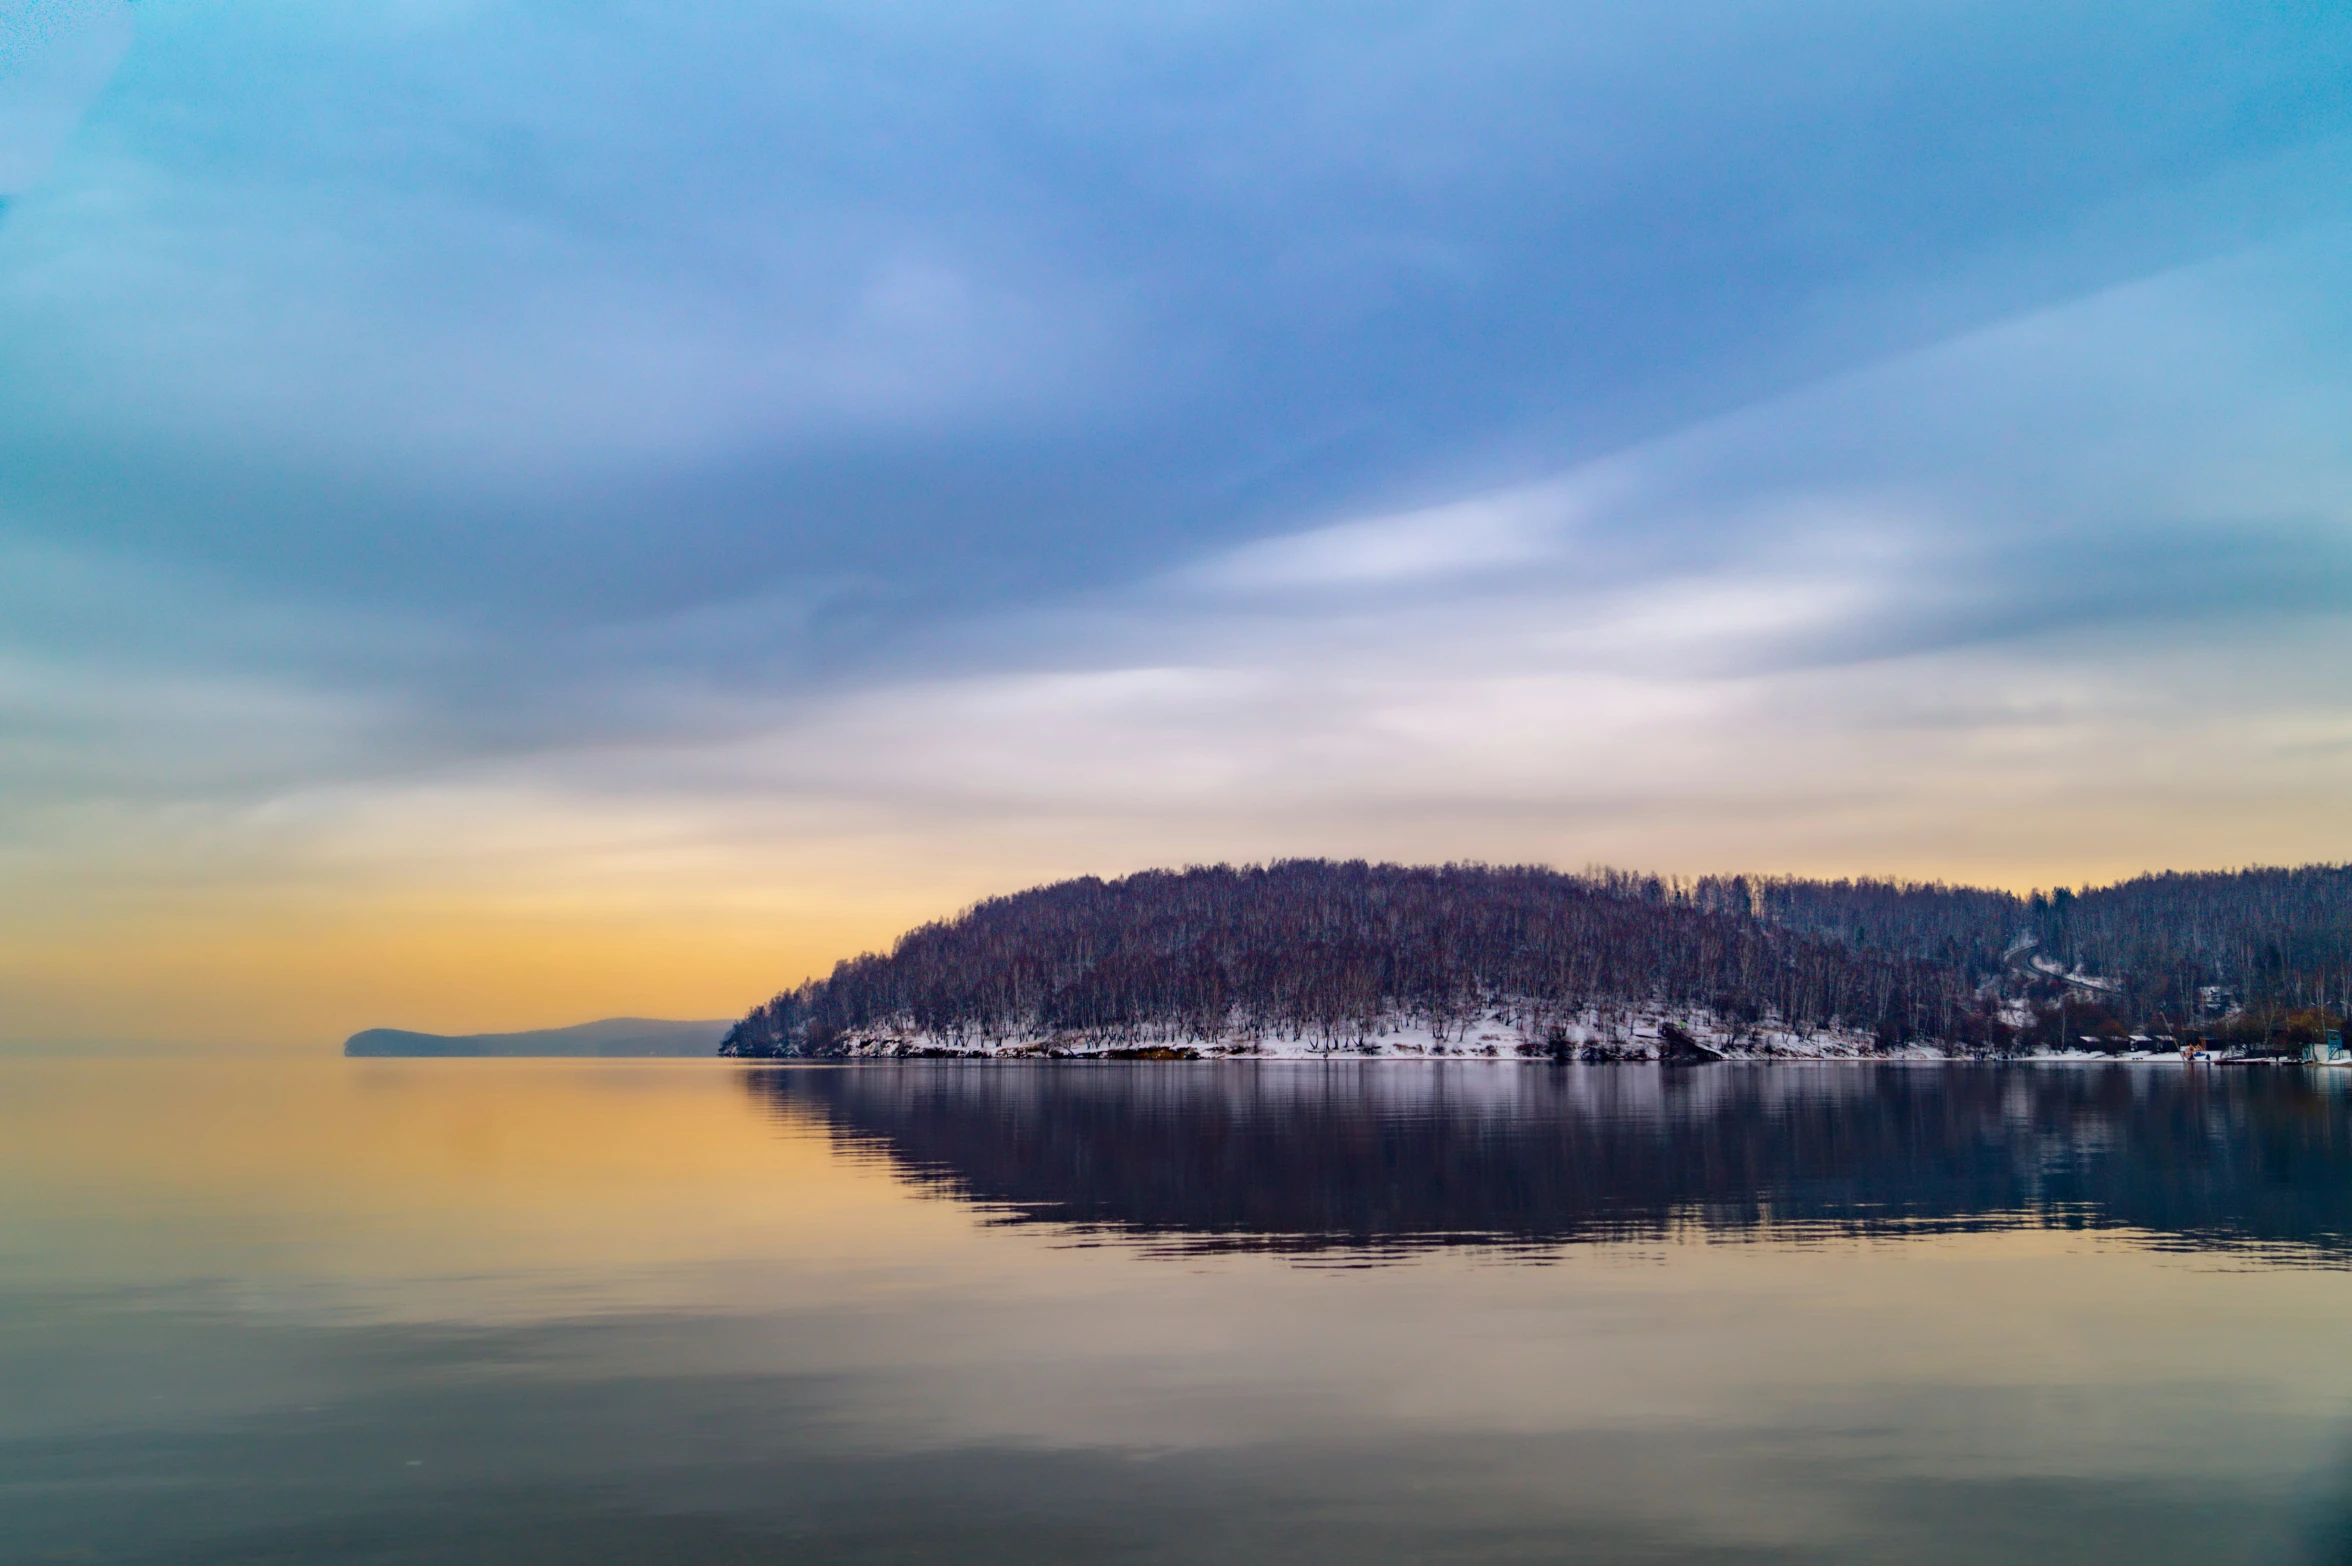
[{"x": 687, "y": 1311}]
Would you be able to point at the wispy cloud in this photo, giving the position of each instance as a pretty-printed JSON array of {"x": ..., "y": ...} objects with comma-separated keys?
[
  {"x": 1432, "y": 546},
  {"x": 516, "y": 466}
]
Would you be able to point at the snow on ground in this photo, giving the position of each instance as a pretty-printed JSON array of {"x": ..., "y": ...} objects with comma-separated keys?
[
  {"x": 2075, "y": 976},
  {"x": 1503, "y": 1031}
]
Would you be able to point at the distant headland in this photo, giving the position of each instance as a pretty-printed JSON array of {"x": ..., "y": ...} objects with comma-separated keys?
[
  {"x": 614, "y": 1036},
  {"x": 1316, "y": 957}
]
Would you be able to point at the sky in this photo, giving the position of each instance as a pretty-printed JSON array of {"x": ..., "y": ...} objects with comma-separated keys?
[{"x": 517, "y": 512}]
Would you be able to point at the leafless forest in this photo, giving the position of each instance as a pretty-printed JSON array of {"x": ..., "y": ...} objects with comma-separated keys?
[{"x": 1314, "y": 947}]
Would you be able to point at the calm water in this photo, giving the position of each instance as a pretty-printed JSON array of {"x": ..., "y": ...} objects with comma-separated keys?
[{"x": 524, "y": 1312}]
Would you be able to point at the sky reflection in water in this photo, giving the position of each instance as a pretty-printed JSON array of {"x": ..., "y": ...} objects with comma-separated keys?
[{"x": 496, "y": 1311}]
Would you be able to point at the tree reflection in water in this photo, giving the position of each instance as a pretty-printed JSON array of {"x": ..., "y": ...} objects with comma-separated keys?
[{"x": 1387, "y": 1157}]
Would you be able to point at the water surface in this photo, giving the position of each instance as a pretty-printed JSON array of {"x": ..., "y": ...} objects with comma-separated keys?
[{"x": 493, "y": 1311}]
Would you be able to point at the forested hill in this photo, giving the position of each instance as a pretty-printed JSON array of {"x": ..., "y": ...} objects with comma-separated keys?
[
  {"x": 2273, "y": 939},
  {"x": 1314, "y": 948},
  {"x": 1338, "y": 951},
  {"x": 2281, "y": 938}
]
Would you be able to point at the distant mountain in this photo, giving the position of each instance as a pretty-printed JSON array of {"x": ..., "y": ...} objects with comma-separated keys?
[
  {"x": 1317, "y": 956},
  {"x": 614, "y": 1036}
]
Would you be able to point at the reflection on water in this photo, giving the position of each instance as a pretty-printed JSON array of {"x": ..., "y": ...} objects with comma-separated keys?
[
  {"x": 1396, "y": 1156},
  {"x": 598, "y": 1313}
]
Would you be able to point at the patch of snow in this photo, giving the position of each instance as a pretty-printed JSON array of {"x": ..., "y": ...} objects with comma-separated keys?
[{"x": 1503, "y": 1029}]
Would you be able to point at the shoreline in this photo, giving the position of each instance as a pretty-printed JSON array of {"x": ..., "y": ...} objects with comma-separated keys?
[
  {"x": 1503, "y": 1028},
  {"x": 866, "y": 1052}
]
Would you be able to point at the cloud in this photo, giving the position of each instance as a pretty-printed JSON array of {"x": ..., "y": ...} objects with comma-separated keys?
[
  {"x": 1418, "y": 548},
  {"x": 614, "y": 315},
  {"x": 904, "y": 453},
  {"x": 2034, "y": 561}
]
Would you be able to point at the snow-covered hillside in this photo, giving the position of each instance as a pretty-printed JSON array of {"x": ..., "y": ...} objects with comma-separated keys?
[{"x": 1514, "y": 1030}]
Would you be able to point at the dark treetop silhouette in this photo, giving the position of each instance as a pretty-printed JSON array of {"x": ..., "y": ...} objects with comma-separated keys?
[{"x": 1340, "y": 952}]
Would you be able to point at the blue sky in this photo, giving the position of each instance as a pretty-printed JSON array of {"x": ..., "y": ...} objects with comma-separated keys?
[{"x": 486, "y": 488}]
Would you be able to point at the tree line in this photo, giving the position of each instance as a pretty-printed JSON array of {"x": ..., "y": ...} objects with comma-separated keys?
[
  {"x": 1334, "y": 950},
  {"x": 1313, "y": 948},
  {"x": 2231, "y": 951}
]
